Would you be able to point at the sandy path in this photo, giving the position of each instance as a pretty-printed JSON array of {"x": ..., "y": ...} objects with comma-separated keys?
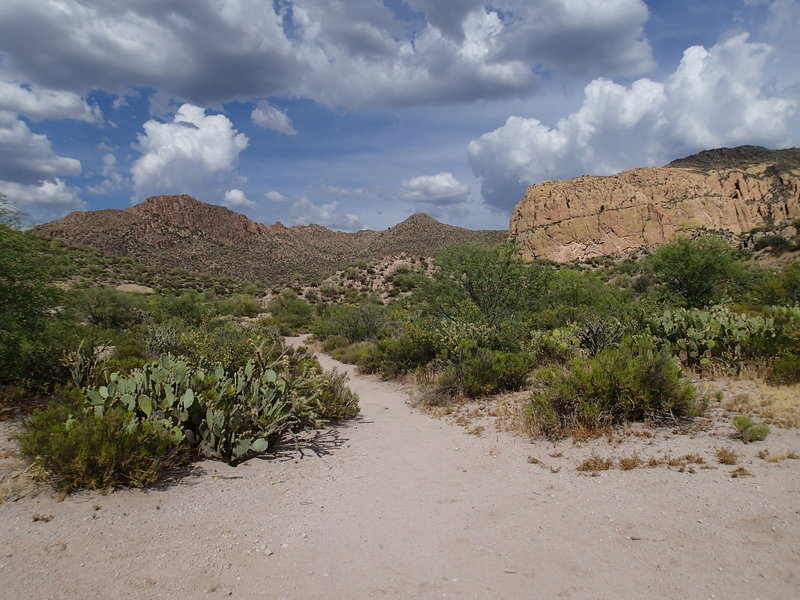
[{"x": 401, "y": 505}]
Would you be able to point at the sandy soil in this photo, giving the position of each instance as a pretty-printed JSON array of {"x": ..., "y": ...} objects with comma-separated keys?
[{"x": 401, "y": 505}]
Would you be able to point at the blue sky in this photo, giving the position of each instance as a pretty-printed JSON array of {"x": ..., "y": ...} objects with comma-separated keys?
[{"x": 359, "y": 113}]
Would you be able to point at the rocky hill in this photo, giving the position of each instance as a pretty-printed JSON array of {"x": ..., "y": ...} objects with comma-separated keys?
[
  {"x": 179, "y": 231},
  {"x": 727, "y": 189}
]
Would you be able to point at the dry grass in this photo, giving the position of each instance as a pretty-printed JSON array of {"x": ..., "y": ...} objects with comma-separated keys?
[
  {"x": 778, "y": 455},
  {"x": 741, "y": 472},
  {"x": 595, "y": 463},
  {"x": 778, "y": 405},
  {"x": 726, "y": 456},
  {"x": 626, "y": 463}
]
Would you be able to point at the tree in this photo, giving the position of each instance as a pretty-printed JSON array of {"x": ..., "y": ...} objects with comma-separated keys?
[
  {"x": 25, "y": 295},
  {"x": 696, "y": 271},
  {"x": 492, "y": 283}
]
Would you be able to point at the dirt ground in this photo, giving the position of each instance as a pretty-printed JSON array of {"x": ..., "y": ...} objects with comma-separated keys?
[{"x": 397, "y": 504}]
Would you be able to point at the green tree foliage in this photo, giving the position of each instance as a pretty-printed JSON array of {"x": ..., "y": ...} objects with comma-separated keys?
[
  {"x": 27, "y": 300},
  {"x": 698, "y": 272},
  {"x": 489, "y": 284}
]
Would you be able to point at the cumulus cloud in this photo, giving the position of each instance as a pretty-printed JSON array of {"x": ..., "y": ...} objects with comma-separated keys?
[
  {"x": 183, "y": 155},
  {"x": 38, "y": 103},
  {"x": 356, "y": 53},
  {"x": 267, "y": 116},
  {"x": 442, "y": 188},
  {"x": 236, "y": 199},
  {"x": 304, "y": 212},
  {"x": 43, "y": 201},
  {"x": 27, "y": 157},
  {"x": 714, "y": 98}
]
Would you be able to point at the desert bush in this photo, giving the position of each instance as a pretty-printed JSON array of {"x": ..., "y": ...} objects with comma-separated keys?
[
  {"x": 478, "y": 373},
  {"x": 219, "y": 343},
  {"x": 290, "y": 310},
  {"x": 633, "y": 382},
  {"x": 354, "y": 354},
  {"x": 394, "y": 356},
  {"x": 750, "y": 430},
  {"x": 190, "y": 307},
  {"x": 238, "y": 305},
  {"x": 81, "y": 449},
  {"x": 110, "y": 308},
  {"x": 553, "y": 346}
]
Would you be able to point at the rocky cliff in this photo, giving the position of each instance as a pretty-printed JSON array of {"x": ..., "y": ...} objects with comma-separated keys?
[
  {"x": 731, "y": 190},
  {"x": 179, "y": 231}
]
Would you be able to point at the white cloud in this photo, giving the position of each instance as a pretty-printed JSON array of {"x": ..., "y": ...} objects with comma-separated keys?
[
  {"x": 183, "y": 156},
  {"x": 112, "y": 178},
  {"x": 276, "y": 196},
  {"x": 28, "y": 157},
  {"x": 38, "y": 103},
  {"x": 267, "y": 116},
  {"x": 43, "y": 201},
  {"x": 442, "y": 188},
  {"x": 714, "y": 98},
  {"x": 304, "y": 212},
  {"x": 343, "y": 192},
  {"x": 236, "y": 199}
]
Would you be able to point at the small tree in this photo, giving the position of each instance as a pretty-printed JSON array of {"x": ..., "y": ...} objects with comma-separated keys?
[
  {"x": 25, "y": 295},
  {"x": 491, "y": 283},
  {"x": 696, "y": 271}
]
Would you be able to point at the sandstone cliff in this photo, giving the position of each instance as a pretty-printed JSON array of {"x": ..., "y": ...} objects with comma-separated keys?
[{"x": 732, "y": 190}]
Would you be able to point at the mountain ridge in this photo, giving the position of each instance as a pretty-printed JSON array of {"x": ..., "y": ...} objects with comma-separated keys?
[{"x": 181, "y": 231}]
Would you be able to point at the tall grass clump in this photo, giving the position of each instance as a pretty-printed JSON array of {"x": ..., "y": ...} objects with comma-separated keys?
[{"x": 632, "y": 382}]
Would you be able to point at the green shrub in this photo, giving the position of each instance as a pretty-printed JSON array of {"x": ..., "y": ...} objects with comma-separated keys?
[
  {"x": 238, "y": 305},
  {"x": 353, "y": 354},
  {"x": 491, "y": 371},
  {"x": 290, "y": 310},
  {"x": 219, "y": 343},
  {"x": 749, "y": 430},
  {"x": 189, "y": 307},
  {"x": 633, "y": 382},
  {"x": 354, "y": 323},
  {"x": 81, "y": 449},
  {"x": 395, "y": 356}
]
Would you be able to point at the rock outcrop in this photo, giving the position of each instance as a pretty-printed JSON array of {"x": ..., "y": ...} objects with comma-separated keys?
[
  {"x": 729, "y": 190},
  {"x": 179, "y": 231}
]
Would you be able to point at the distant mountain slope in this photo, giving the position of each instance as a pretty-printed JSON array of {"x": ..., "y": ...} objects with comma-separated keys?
[
  {"x": 729, "y": 190},
  {"x": 179, "y": 231}
]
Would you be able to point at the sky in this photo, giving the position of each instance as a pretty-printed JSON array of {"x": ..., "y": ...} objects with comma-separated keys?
[{"x": 356, "y": 114}]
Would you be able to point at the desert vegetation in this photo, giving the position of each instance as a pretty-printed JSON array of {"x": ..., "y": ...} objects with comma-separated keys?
[
  {"x": 597, "y": 344},
  {"x": 123, "y": 387}
]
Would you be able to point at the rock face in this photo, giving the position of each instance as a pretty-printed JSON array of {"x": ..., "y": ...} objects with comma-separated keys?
[
  {"x": 732, "y": 190},
  {"x": 181, "y": 232}
]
